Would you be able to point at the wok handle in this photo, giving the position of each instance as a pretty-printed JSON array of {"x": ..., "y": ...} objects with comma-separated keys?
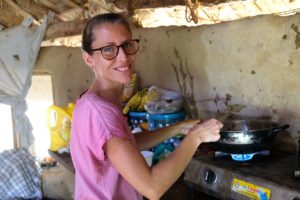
[{"x": 280, "y": 128}]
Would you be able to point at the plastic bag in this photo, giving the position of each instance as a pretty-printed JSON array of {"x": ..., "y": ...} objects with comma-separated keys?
[
  {"x": 161, "y": 152},
  {"x": 162, "y": 101}
]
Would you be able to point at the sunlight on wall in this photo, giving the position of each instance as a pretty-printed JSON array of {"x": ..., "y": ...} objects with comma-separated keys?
[
  {"x": 6, "y": 136},
  {"x": 39, "y": 99},
  {"x": 212, "y": 14}
]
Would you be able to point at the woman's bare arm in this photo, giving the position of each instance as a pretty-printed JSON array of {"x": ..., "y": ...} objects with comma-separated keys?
[
  {"x": 148, "y": 139},
  {"x": 154, "y": 182}
]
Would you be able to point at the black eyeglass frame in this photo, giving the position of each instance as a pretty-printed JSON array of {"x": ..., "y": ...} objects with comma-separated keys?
[{"x": 118, "y": 47}]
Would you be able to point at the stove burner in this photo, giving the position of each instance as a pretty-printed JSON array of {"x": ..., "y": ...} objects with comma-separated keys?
[{"x": 242, "y": 157}]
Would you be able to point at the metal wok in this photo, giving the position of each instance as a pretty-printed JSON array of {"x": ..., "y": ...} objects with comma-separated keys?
[{"x": 247, "y": 136}]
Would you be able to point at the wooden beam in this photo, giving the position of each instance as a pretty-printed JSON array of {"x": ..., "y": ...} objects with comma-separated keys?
[
  {"x": 32, "y": 7},
  {"x": 51, "y": 5},
  {"x": 21, "y": 11},
  {"x": 122, "y": 4},
  {"x": 64, "y": 29},
  {"x": 38, "y": 10},
  {"x": 72, "y": 14},
  {"x": 97, "y": 6},
  {"x": 71, "y": 3},
  {"x": 140, "y": 4}
]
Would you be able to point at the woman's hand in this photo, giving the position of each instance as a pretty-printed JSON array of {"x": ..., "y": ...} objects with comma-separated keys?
[
  {"x": 187, "y": 125},
  {"x": 207, "y": 131}
]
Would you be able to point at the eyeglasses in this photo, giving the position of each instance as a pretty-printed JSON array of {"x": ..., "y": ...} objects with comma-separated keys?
[{"x": 110, "y": 52}]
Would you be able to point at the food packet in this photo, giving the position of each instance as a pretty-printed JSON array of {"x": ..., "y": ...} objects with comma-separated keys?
[{"x": 129, "y": 88}]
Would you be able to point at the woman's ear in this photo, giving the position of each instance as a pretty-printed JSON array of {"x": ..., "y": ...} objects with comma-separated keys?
[{"x": 88, "y": 59}]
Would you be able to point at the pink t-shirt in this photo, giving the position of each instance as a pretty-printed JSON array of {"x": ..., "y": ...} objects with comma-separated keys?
[{"x": 95, "y": 121}]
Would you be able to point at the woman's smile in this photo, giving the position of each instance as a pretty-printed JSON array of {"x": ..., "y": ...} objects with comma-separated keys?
[{"x": 123, "y": 68}]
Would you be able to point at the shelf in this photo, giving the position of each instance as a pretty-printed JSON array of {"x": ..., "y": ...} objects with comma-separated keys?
[{"x": 64, "y": 159}]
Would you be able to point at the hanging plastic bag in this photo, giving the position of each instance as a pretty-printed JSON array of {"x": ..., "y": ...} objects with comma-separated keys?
[{"x": 162, "y": 101}]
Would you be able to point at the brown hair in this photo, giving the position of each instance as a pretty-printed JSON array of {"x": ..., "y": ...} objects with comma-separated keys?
[{"x": 88, "y": 36}]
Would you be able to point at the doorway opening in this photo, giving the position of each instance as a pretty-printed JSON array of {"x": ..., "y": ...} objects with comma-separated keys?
[{"x": 39, "y": 99}]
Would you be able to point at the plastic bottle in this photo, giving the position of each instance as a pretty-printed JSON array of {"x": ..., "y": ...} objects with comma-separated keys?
[{"x": 59, "y": 120}]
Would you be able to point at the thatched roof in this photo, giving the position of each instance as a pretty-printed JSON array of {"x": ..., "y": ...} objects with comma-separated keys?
[{"x": 71, "y": 15}]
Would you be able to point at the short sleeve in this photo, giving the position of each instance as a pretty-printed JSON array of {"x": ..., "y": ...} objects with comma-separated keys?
[{"x": 102, "y": 122}]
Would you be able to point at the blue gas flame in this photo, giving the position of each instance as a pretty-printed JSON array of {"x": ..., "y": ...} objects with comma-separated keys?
[{"x": 242, "y": 157}]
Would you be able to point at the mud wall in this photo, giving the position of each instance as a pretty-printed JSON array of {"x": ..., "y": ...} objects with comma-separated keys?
[
  {"x": 70, "y": 75},
  {"x": 252, "y": 64}
]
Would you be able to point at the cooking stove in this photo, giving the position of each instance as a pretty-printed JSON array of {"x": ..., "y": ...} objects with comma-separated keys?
[{"x": 267, "y": 175}]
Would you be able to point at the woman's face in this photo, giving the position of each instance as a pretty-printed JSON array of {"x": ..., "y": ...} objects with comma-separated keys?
[{"x": 119, "y": 69}]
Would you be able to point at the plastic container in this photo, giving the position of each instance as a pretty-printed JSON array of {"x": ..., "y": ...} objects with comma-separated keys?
[
  {"x": 135, "y": 118},
  {"x": 59, "y": 120},
  {"x": 156, "y": 121}
]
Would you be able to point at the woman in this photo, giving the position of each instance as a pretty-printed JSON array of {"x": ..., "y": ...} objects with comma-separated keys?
[{"x": 105, "y": 153}]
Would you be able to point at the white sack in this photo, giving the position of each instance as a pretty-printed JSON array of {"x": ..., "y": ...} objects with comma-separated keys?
[{"x": 19, "y": 48}]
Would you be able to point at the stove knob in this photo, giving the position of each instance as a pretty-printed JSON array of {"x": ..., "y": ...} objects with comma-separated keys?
[{"x": 210, "y": 177}]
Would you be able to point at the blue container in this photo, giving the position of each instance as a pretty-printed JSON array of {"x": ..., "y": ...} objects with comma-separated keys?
[
  {"x": 156, "y": 121},
  {"x": 135, "y": 118}
]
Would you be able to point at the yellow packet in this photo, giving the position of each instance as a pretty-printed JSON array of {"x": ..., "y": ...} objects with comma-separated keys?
[{"x": 129, "y": 88}]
